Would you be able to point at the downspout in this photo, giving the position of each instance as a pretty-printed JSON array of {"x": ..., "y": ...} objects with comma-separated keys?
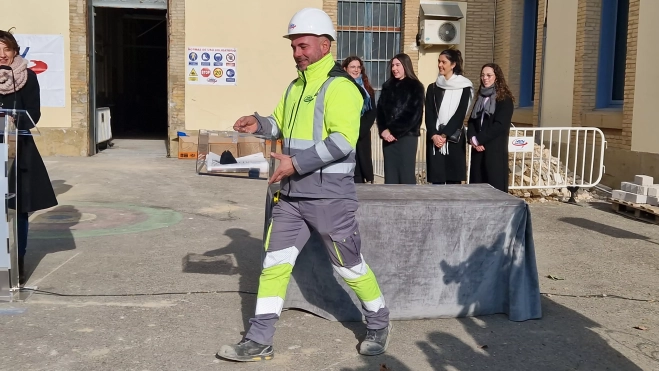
[
  {"x": 494, "y": 29},
  {"x": 542, "y": 63}
]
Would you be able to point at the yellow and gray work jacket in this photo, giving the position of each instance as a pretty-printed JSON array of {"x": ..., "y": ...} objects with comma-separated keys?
[{"x": 318, "y": 119}]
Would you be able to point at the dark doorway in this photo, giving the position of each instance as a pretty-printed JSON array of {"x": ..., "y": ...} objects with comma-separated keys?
[{"x": 131, "y": 71}]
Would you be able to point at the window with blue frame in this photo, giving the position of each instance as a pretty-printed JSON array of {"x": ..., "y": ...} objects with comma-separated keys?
[
  {"x": 370, "y": 29},
  {"x": 529, "y": 47},
  {"x": 612, "y": 53}
]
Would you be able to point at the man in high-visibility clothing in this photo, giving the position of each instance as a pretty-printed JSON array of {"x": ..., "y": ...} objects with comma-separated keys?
[{"x": 318, "y": 120}]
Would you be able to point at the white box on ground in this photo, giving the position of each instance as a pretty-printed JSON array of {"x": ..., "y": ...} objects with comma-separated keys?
[
  {"x": 654, "y": 201},
  {"x": 636, "y": 198},
  {"x": 643, "y": 180},
  {"x": 653, "y": 190},
  {"x": 618, "y": 195}
]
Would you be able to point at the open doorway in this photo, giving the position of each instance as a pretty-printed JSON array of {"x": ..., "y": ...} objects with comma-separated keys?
[{"x": 131, "y": 72}]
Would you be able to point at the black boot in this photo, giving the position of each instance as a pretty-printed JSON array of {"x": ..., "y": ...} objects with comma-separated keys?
[
  {"x": 21, "y": 270},
  {"x": 376, "y": 341},
  {"x": 246, "y": 351}
]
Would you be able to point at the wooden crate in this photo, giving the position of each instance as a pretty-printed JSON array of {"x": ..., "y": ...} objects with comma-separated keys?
[{"x": 644, "y": 212}]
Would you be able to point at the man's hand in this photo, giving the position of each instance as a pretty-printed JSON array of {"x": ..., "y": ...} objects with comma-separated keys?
[
  {"x": 246, "y": 124},
  {"x": 479, "y": 148},
  {"x": 386, "y": 135},
  {"x": 284, "y": 169}
]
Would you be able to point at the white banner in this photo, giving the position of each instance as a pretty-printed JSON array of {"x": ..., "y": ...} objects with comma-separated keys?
[
  {"x": 45, "y": 55},
  {"x": 211, "y": 66},
  {"x": 520, "y": 144}
]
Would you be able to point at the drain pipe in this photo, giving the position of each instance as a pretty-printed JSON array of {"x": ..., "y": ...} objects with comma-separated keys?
[
  {"x": 494, "y": 31},
  {"x": 542, "y": 63}
]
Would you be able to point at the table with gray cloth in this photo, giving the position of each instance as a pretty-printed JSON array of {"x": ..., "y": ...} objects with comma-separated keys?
[{"x": 436, "y": 250}]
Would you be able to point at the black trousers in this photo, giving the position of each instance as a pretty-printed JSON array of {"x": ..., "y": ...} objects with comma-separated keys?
[{"x": 400, "y": 160}]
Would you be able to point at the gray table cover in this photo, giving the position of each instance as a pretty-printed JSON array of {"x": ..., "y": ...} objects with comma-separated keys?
[{"x": 437, "y": 251}]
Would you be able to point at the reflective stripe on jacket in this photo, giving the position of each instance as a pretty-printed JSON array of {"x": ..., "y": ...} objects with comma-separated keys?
[{"x": 318, "y": 119}]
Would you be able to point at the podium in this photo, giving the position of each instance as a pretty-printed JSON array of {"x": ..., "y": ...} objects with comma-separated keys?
[{"x": 13, "y": 125}]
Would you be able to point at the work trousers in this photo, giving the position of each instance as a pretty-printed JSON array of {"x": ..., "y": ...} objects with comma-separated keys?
[
  {"x": 290, "y": 229},
  {"x": 400, "y": 160}
]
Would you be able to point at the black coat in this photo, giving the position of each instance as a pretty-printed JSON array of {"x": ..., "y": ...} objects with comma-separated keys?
[
  {"x": 491, "y": 165},
  {"x": 400, "y": 107},
  {"x": 452, "y": 167},
  {"x": 35, "y": 192},
  {"x": 363, "y": 157}
]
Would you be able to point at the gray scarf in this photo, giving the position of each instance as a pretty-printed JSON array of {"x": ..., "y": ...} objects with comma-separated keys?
[{"x": 481, "y": 106}]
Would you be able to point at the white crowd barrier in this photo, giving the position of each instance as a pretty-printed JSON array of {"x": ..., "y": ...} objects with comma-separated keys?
[{"x": 539, "y": 158}]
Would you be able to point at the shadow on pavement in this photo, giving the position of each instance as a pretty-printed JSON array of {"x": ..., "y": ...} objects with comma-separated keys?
[
  {"x": 246, "y": 251},
  {"x": 605, "y": 229},
  {"x": 562, "y": 340},
  {"x": 58, "y": 220}
]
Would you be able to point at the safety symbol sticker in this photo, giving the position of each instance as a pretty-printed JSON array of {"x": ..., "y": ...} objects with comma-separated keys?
[{"x": 211, "y": 66}]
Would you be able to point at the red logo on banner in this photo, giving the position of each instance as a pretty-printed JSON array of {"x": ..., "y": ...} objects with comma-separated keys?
[{"x": 205, "y": 72}]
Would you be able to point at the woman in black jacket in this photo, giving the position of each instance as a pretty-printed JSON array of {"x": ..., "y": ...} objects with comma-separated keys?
[
  {"x": 400, "y": 109},
  {"x": 354, "y": 66},
  {"x": 489, "y": 128},
  {"x": 35, "y": 191},
  {"x": 447, "y": 102}
]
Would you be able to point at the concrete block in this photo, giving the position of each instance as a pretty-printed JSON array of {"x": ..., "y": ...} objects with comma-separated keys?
[
  {"x": 653, "y": 190},
  {"x": 643, "y": 180},
  {"x": 636, "y": 198},
  {"x": 626, "y": 186},
  {"x": 654, "y": 201},
  {"x": 618, "y": 195}
]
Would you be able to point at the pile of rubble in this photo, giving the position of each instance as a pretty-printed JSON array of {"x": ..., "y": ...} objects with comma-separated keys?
[{"x": 544, "y": 170}]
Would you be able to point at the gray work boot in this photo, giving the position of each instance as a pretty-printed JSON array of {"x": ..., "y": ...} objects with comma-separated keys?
[
  {"x": 376, "y": 341},
  {"x": 246, "y": 351}
]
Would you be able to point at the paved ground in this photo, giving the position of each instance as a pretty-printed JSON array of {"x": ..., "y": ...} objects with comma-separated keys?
[{"x": 150, "y": 228}]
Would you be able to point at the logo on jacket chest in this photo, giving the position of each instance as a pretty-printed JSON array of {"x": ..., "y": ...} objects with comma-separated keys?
[{"x": 308, "y": 99}]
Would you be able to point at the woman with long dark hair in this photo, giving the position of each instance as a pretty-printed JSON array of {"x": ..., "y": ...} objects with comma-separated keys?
[
  {"x": 354, "y": 66},
  {"x": 20, "y": 89},
  {"x": 489, "y": 129},
  {"x": 399, "y": 113},
  {"x": 447, "y": 102}
]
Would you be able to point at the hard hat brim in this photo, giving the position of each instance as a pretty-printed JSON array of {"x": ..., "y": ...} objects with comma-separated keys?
[{"x": 331, "y": 37}]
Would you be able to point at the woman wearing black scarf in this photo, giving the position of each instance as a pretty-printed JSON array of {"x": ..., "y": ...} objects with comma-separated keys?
[
  {"x": 489, "y": 128},
  {"x": 354, "y": 66}
]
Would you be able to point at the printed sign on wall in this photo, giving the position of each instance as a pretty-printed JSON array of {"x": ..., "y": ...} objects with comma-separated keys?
[
  {"x": 45, "y": 56},
  {"x": 211, "y": 66}
]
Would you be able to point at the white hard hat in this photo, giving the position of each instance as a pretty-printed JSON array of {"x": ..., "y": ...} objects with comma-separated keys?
[{"x": 311, "y": 21}]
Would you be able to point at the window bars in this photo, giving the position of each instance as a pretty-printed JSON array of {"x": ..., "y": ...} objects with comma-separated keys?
[{"x": 371, "y": 30}]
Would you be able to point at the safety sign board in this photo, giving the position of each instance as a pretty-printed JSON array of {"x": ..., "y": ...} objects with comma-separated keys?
[{"x": 211, "y": 66}]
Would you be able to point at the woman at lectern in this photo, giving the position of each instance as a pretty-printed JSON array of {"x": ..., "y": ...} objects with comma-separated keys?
[
  {"x": 447, "y": 103},
  {"x": 489, "y": 128},
  {"x": 399, "y": 113},
  {"x": 19, "y": 89}
]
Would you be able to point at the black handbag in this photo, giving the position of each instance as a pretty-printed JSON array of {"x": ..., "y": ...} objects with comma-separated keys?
[{"x": 455, "y": 137}]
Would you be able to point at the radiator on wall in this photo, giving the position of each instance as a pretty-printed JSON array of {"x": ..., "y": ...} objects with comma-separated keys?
[{"x": 103, "y": 128}]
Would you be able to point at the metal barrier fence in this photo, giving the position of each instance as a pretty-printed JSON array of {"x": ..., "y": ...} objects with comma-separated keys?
[
  {"x": 560, "y": 157},
  {"x": 539, "y": 158}
]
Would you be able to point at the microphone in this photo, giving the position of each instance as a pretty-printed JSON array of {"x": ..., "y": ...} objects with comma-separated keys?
[{"x": 13, "y": 80}]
